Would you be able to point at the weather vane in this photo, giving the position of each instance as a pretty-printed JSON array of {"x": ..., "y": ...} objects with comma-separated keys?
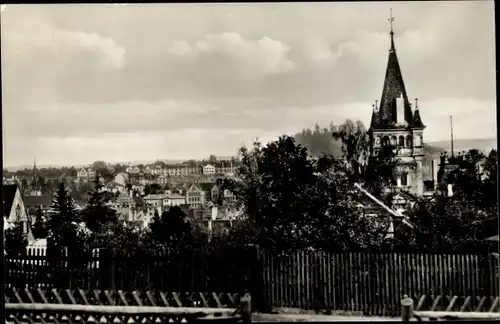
[{"x": 391, "y": 19}]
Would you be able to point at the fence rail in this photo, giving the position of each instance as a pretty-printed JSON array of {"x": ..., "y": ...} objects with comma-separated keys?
[{"x": 124, "y": 307}]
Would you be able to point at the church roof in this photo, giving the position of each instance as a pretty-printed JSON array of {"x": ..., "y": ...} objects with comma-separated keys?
[{"x": 384, "y": 116}]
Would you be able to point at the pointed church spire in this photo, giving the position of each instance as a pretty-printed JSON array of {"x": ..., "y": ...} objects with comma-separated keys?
[{"x": 393, "y": 89}]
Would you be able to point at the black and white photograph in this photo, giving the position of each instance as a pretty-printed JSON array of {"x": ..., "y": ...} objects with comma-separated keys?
[{"x": 249, "y": 162}]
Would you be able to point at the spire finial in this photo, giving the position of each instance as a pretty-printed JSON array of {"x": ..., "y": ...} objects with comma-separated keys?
[
  {"x": 416, "y": 103},
  {"x": 391, "y": 20}
]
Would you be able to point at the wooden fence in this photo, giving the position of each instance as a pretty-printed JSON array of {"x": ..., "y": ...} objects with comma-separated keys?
[
  {"x": 370, "y": 283},
  {"x": 204, "y": 269},
  {"x": 374, "y": 283}
]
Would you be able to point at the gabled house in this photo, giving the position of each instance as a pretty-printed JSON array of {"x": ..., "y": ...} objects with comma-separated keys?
[
  {"x": 195, "y": 196},
  {"x": 14, "y": 211}
]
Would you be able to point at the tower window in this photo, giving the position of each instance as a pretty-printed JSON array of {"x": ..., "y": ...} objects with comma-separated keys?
[
  {"x": 386, "y": 140},
  {"x": 408, "y": 140},
  {"x": 377, "y": 141},
  {"x": 394, "y": 140},
  {"x": 401, "y": 141},
  {"x": 404, "y": 178}
]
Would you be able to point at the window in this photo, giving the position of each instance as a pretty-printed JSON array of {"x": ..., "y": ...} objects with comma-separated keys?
[
  {"x": 408, "y": 140},
  {"x": 393, "y": 140},
  {"x": 404, "y": 178},
  {"x": 18, "y": 213},
  {"x": 386, "y": 140},
  {"x": 377, "y": 141},
  {"x": 401, "y": 141}
]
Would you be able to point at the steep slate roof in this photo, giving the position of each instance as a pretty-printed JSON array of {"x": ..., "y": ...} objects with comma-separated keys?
[
  {"x": 9, "y": 192},
  {"x": 394, "y": 87}
]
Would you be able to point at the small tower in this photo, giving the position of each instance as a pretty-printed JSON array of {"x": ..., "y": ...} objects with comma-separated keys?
[
  {"x": 36, "y": 189},
  {"x": 394, "y": 122}
]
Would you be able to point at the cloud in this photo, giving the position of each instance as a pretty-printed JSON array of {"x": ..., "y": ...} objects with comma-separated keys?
[
  {"x": 37, "y": 34},
  {"x": 263, "y": 56}
]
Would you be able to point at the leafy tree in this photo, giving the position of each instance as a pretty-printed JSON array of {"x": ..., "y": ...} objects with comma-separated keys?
[
  {"x": 374, "y": 171},
  {"x": 152, "y": 189},
  {"x": 293, "y": 201},
  {"x": 212, "y": 159},
  {"x": 39, "y": 230},
  {"x": 172, "y": 228},
  {"x": 15, "y": 241},
  {"x": 463, "y": 221},
  {"x": 96, "y": 214},
  {"x": 61, "y": 226}
]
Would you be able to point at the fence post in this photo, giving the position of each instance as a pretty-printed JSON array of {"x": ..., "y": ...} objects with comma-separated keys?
[
  {"x": 107, "y": 259},
  {"x": 257, "y": 283},
  {"x": 406, "y": 308}
]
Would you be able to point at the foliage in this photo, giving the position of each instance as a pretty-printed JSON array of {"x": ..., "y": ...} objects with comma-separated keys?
[
  {"x": 318, "y": 141},
  {"x": 96, "y": 214},
  {"x": 152, "y": 189},
  {"x": 15, "y": 241},
  {"x": 61, "y": 226},
  {"x": 463, "y": 221},
  {"x": 294, "y": 202},
  {"x": 39, "y": 227},
  {"x": 171, "y": 229},
  {"x": 374, "y": 171}
]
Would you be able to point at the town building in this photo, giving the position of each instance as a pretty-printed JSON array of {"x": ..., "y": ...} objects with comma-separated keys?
[
  {"x": 85, "y": 174},
  {"x": 394, "y": 122},
  {"x": 208, "y": 169}
]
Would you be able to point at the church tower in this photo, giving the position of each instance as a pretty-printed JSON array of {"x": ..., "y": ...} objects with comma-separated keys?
[{"x": 395, "y": 122}]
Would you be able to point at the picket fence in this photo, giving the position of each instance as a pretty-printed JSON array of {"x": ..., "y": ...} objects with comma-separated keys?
[
  {"x": 371, "y": 283},
  {"x": 374, "y": 283}
]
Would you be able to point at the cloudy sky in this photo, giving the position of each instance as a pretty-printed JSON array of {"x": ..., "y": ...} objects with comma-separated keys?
[{"x": 138, "y": 82}]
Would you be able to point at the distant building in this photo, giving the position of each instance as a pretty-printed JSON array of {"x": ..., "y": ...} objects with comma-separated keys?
[
  {"x": 85, "y": 174},
  {"x": 173, "y": 200},
  {"x": 195, "y": 197},
  {"x": 208, "y": 169}
]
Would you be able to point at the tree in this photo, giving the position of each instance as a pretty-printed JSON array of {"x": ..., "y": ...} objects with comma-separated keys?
[
  {"x": 172, "y": 228},
  {"x": 212, "y": 159},
  {"x": 15, "y": 241},
  {"x": 61, "y": 225},
  {"x": 375, "y": 171},
  {"x": 293, "y": 201},
  {"x": 96, "y": 214},
  {"x": 463, "y": 221},
  {"x": 39, "y": 230},
  {"x": 152, "y": 189}
]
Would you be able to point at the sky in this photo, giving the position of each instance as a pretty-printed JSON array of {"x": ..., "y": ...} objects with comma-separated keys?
[{"x": 174, "y": 81}]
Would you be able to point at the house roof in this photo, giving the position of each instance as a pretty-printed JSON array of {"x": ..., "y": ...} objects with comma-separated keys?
[
  {"x": 154, "y": 197},
  {"x": 9, "y": 192}
]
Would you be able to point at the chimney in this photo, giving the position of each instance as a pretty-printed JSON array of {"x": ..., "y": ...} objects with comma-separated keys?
[{"x": 400, "y": 110}]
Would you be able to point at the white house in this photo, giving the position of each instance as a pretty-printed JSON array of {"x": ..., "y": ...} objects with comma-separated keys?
[
  {"x": 208, "y": 169},
  {"x": 174, "y": 200}
]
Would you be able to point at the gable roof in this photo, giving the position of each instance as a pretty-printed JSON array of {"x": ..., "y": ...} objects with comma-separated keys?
[{"x": 9, "y": 192}]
